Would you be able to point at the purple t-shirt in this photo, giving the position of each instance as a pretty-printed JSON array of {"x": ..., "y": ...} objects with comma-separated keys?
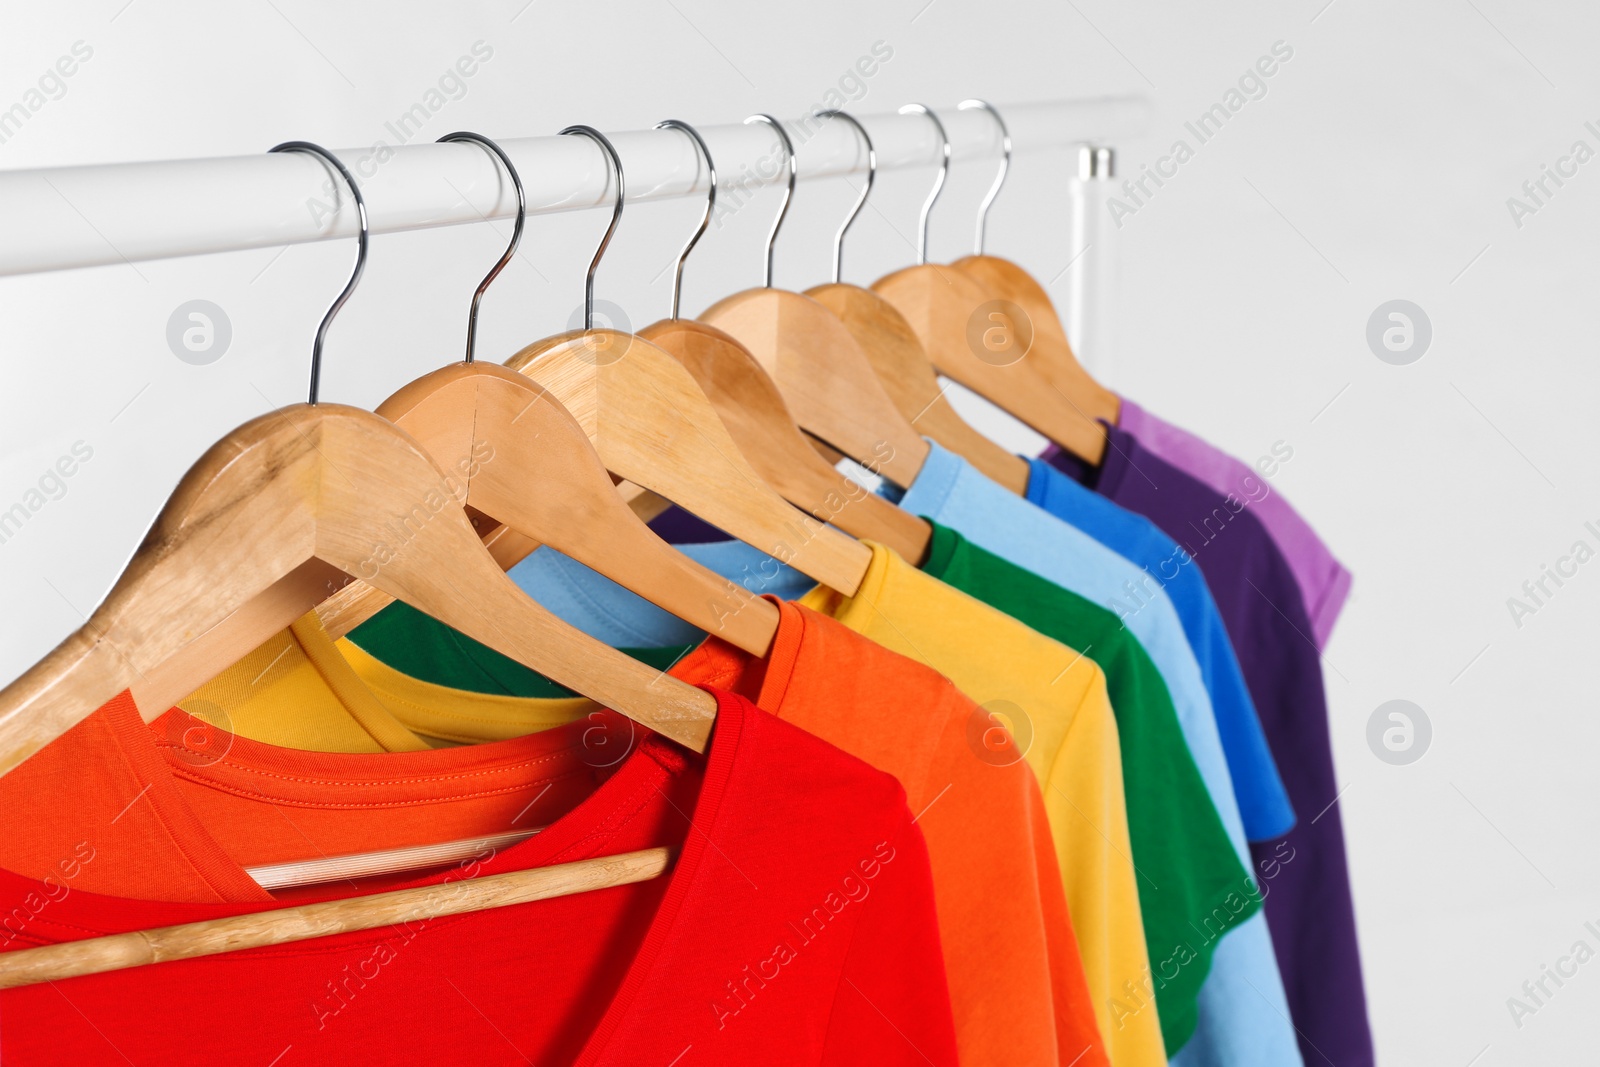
[
  {"x": 1324, "y": 583},
  {"x": 1303, "y": 874}
]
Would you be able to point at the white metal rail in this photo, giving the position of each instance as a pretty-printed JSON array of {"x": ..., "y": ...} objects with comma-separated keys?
[{"x": 65, "y": 217}]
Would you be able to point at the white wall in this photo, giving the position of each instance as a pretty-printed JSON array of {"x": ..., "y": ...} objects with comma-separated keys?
[{"x": 1376, "y": 166}]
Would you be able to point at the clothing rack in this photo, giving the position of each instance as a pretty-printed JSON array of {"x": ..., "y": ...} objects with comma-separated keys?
[
  {"x": 1015, "y": 581},
  {"x": 59, "y": 218}
]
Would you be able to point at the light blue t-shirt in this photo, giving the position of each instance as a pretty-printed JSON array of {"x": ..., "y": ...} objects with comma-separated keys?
[
  {"x": 1263, "y": 802},
  {"x": 1243, "y": 1013}
]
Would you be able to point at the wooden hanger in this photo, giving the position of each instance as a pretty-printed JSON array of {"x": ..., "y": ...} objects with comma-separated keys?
[
  {"x": 547, "y": 484},
  {"x": 909, "y": 377},
  {"x": 1006, "y": 280},
  {"x": 309, "y": 491},
  {"x": 759, "y": 421},
  {"x": 898, "y": 358},
  {"x": 546, "y": 481},
  {"x": 992, "y": 344},
  {"x": 355, "y": 603},
  {"x": 301, "y": 922},
  {"x": 824, "y": 376},
  {"x": 653, "y": 425}
]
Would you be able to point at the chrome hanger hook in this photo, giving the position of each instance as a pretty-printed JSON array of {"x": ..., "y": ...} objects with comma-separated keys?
[
  {"x": 861, "y": 201},
  {"x": 616, "y": 215},
  {"x": 361, "y": 250},
  {"x": 711, "y": 202},
  {"x": 1005, "y": 165},
  {"x": 516, "y": 233},
  {"x": 938, "y": 183},
  {"x": 777, "y": 223}
]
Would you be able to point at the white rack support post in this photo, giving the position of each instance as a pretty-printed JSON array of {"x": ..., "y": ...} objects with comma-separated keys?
[
  {"x": 67, "y": 217},
  {"x": 1093, "y": 278}
]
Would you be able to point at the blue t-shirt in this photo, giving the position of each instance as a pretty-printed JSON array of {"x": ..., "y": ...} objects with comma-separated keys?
[{"x": 1263, "y": 802}]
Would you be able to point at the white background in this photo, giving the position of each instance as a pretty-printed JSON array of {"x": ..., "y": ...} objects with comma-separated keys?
[{"x": 1376, "y": 167}]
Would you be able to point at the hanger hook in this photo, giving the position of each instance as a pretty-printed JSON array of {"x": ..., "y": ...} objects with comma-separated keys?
[
  {"x": 711, "y": 202},
  {"x": 1005, "y": 165},
  {"x": 616, "y": 215},
  {"x": 516, "y": 233},
  {"x": 777, "y": 223},
  {"x": 361, "y": 250},
  {"x": 938, "y": 183},
  {"x": 861, "y": 201}
]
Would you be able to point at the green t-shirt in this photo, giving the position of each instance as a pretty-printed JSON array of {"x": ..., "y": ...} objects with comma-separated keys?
[
  {"x": 1190, "y": 878},
  {"x": 1192, "y": 885}
]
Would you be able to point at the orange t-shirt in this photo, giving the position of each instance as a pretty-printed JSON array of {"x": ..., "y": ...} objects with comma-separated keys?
[{"x": 174, "y": 810}]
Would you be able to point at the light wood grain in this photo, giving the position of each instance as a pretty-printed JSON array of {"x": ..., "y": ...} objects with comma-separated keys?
[
  {"x": 908, "y": 376},
  {"x": 113, "y": 952},
  {"x": 954, "y": 315},
  {"x": 534, "y": 470},
  {"x": 757, "y": 418},
  {"x": 357, "y": 601},
  {"x": 321, "y": 483},
  {"x": 1005, "y": 280},
  {"x": 350, "y": 866},
  {"x": 652, "y": 425},
  {"x": 824, "y": 376}
]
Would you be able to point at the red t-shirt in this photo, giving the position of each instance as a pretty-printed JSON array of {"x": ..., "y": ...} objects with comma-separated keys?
[{"x": 796, "y": 927}]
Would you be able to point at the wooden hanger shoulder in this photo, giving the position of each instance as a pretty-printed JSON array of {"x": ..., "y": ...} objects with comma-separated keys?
[
  {"x": 652, "y": 425},
  {"x": 902, "y": 365},
  {"x": 760, "y": 423},
  {"x": 529, "y": 465},
  {"x": 824, "y": 376},
  {"x": 348, "y": 607},
  {"x": 302, "y": 922},
  {"x": 1004, "y": 280},
  {"x": 982, "y": 343},
  {"x": 345, "y": 487}
]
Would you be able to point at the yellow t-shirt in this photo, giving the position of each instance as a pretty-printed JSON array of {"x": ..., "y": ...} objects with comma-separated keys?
[{"x": 1054, "y": 702}]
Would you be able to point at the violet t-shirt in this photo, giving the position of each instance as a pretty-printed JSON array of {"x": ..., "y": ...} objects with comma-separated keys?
[
  {"x": 1324, "y": 583},
  {"x": 1304, "y": 874}
]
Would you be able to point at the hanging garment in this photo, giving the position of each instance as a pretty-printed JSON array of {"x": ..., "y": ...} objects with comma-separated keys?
[
  {"x": 1242, "y": 1011},
  {"x": 1304, "y": 874},
  {"x": 1242, "y": 1005},
  {"x": 1024, "y": 682},
  {"x": 1074, "y": 744},
  {"x": 1243, "y": 1015},
  {"x": 1192, "y": 886},
  {"x": 1016, "y": 674},
  {"x": 815, "y": 946},
  {"x": 1016, "y": 981},
  {"x": 1324, "y": 582},
  {"x": 950, "y": 491},
  {"x": 1263, "y": 802}
]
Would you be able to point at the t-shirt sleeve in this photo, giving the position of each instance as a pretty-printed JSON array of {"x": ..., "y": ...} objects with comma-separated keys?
[
  {"x": 1078, "y": 1036},
  {"x": 1192, "y": 886},
  {"x": 1264, "y": 805},
  {"x": 1083, "y": 795},
  {"x": 892, "y": 1005},
  {"x": 1325, "y": 601},
  {"x": 1017, "y": 985}
]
